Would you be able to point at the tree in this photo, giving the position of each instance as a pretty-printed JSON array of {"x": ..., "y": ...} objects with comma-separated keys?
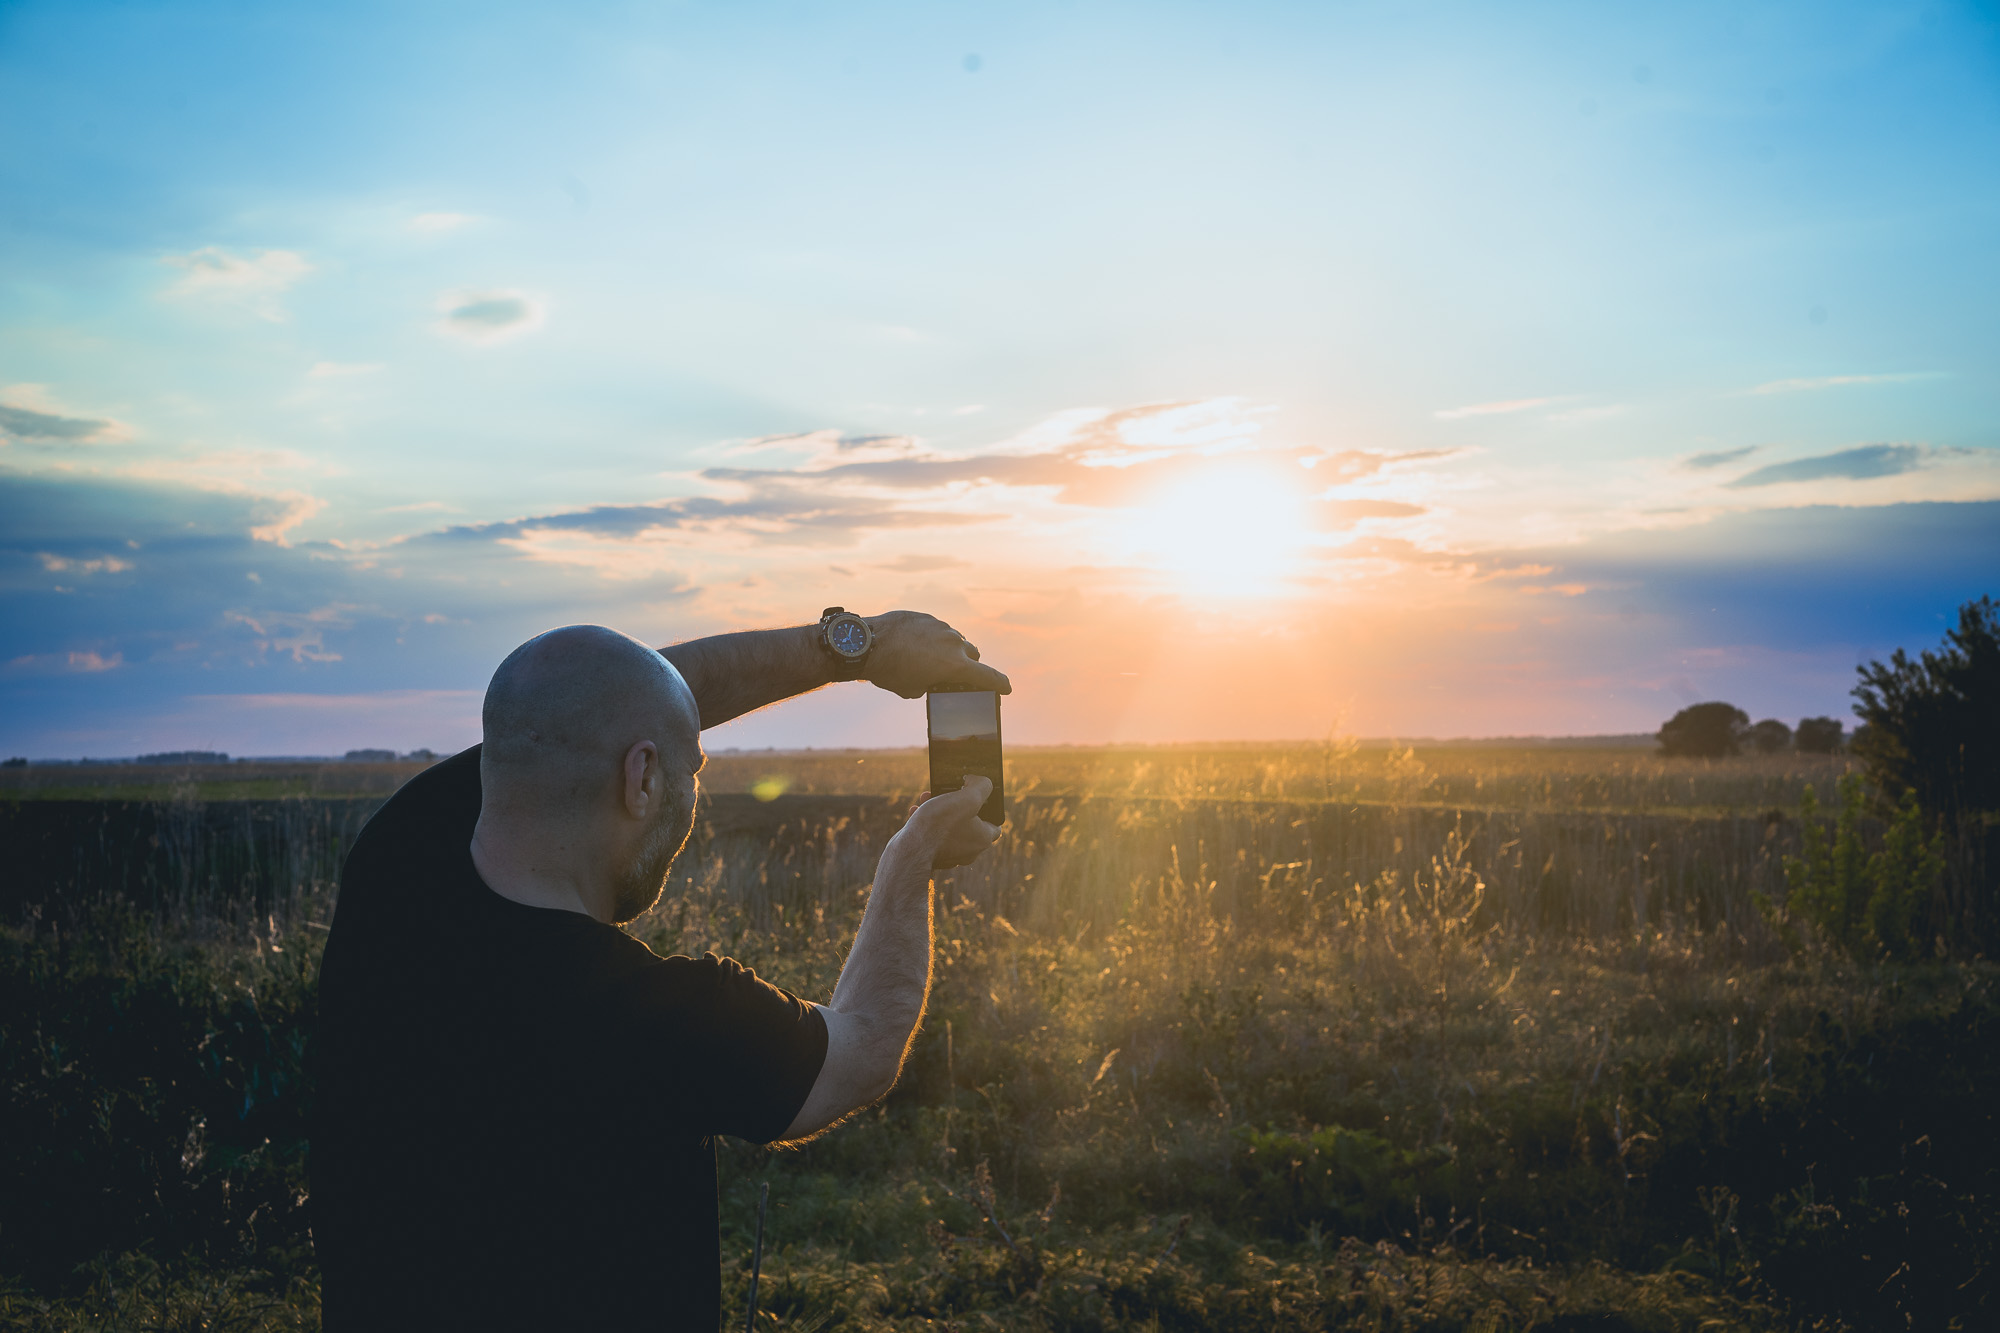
[
  {"x": 1705, "y": 731},
  {"x": 1769, "y": 736},
  {"x": 1818, "y": 735},
  {"x": 1934, "y": 722}
]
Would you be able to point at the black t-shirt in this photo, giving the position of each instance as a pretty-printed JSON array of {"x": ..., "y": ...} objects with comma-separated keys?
[{"x": 515, "y": 1105}]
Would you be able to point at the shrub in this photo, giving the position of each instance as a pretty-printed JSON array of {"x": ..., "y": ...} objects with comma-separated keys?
[
  {"x": 1705, "y": 731},
  {"x": 1865, "y": 903}
]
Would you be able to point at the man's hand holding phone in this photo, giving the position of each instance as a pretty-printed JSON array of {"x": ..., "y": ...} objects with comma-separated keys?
[
  {"x": 915, "y": 653},
  {"x": 948, "y": 826}
]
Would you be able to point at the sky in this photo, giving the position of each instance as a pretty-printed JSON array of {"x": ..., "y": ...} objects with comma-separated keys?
[{"x": 1246, "y": 371}]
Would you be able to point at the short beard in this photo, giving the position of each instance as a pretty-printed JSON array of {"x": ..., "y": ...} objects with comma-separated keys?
[{"x": 646, "y": 878}]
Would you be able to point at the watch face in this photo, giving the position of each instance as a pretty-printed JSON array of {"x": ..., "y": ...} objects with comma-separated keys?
[{"x": 848, "y": 637}]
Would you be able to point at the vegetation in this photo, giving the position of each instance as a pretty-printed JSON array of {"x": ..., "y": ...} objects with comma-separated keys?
[
  {"x": 1200, "y": 1056},
  {"x": 1889, "y": 901},
  {"x": 1769, "y": 736},
  {"x": 1705, "y": 731},
  {"x": 1630, "y": 778},
  {"x": 1819, "y": 735},
  {"x": 1933, "y": 722}
]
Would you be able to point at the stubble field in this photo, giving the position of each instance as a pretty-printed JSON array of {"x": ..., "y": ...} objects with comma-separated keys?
[{"x": 1222, "y": 1037}]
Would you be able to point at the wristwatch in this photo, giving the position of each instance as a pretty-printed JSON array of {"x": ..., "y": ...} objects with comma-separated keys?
[{"x": 848, "y": 638}]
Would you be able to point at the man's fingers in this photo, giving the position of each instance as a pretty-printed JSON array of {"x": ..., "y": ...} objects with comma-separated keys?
[
  {"x": 974, "y": 792},
  {"x": 945, "y": 802},
  {"x": 979, "y": 676}
]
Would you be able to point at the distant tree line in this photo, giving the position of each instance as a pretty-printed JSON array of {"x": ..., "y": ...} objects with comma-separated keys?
[{"x": 1717, "y": 730}]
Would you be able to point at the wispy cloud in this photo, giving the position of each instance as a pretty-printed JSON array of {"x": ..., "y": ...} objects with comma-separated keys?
[
  {"x": 488, "y": 316},
  {"x": 1493, "y": 409},
  {"x": 1719, "y": 458},
  {"x": 298, "y": 635},
  {"x": 60, "y": 564},
  {"x": 1352, "y": 511},
  {"x": 86, "y": 661},
  {"x": 1839, "y": 381},
  {"x": 826, "y": 448},
  {"x": 1858, "y": 464},
  {"x": 1576, "y": 416},
  {"x": 254, "y": 281},
  {"x": 26, "y": 424}
]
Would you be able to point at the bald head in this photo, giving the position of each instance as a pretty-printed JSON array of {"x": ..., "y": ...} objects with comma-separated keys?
[{"x": 565, "y": 706}]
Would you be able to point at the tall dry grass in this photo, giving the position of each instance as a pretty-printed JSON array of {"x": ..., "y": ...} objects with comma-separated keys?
[{"x": 1469, "y": 777}]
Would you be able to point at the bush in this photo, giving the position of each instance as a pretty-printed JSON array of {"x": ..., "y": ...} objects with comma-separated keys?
[
  {"x": 1867, "y": 904},
  {"x": 1705, "y": 731},
  {"x": 1818, "y": 735},
  {"x": 1934, "y": 722}
]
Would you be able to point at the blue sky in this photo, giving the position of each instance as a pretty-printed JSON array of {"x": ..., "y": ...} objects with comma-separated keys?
[{"x": 1225, "y": 371}]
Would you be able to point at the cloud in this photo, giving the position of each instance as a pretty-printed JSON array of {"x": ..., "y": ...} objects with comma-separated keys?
[
  {"x": 825, "y": 448},
  {"x": 300, "y": 635},
  {"x": 487, "y": 316},
  {"x": 1095, "y": 458},
  {"x": 1579, "y": 415},
  {"x": 1838, "y": 381},
  {"x": 327, "y": 370},
  {"x": 440, "y": 223},
  {"x": 785, "y": 514},
  {"x": 253, "y": 281},
  {"x": 1703, "y": 462},
  {"x": 1345, "y": 512},
  {"x": 83, "y": 661},
  {"x": 1810, "y": 575},
  {"x": 25, "y": 424},
  {"x": 1493, "y": 409},
  {"x": 60, "y": 564},
  {"x": 923, "y": 564},
  {"x": 1857, "y": 464}
]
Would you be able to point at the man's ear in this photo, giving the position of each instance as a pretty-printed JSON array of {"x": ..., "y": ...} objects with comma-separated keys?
[{"x": 643, "y": 779}]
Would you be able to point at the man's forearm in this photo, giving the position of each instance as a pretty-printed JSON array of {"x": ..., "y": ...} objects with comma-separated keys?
[
  {"x": 734, "y": 674},
  {"x": 887, "y": 977}
]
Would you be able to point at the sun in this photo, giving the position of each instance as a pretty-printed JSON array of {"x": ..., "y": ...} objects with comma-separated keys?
[{"x": 1229, "y": 532}]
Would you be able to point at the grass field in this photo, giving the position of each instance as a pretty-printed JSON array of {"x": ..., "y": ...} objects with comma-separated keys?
[{"x": 1223, "y": 1037}]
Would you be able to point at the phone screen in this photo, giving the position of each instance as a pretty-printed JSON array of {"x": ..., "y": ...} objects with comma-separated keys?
[{"x": 965, "y": 738}]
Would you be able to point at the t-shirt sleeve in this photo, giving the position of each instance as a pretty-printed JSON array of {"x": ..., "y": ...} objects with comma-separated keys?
[{"x": 736, "y": 1054}]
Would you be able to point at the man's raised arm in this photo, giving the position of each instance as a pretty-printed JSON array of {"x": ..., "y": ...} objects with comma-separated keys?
[
  {"x": 879, "y": 1002},
  {"x": 734, "y": 674}
]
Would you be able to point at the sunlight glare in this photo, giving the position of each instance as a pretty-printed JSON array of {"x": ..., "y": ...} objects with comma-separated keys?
[{"x": 1236, "y": 532}]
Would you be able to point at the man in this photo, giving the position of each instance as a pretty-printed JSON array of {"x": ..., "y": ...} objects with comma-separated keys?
[{"x": 517, "y": 1100}]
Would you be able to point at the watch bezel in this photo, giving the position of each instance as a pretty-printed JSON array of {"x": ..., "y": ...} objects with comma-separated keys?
[{"x": 833, "y": 616}]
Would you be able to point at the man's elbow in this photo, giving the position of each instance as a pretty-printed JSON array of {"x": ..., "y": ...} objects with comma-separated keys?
[{"x": 881, "y": 1067}]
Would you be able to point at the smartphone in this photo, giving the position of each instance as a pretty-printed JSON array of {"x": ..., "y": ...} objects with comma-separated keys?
[{"x": 965, "y": 738}]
